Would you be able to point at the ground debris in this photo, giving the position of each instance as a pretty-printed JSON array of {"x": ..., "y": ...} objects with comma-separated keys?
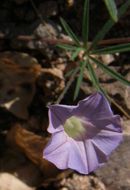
[
  {"x": 11, "y": 182},
  {"x": 52, "y": 84},
  {"x": 18, "y": 75},
  {"x": 77, "y": 181}
]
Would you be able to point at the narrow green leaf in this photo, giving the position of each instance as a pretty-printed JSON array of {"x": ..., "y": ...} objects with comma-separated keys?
[
  {"x": 72, "y": 77},
  {"x": 85, "y": 23},
  {"x": 69, "y": 31},
  {"x": 69, "y": 73},
  {"x": 108, "y": 25},
  {"x": 101, "y": 34},
  {"x": 76, "y": 53},
  {"x": 113, "y": 49},
  {"x": 79, "y": 80},
  {"x": 67, "y": 47},
  {"x": 93, "y": 76},
  {"x": 111, "y": 72},
  {"x": 111, "y": 6}
]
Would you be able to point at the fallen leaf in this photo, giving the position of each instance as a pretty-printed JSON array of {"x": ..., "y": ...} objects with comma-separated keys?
[
  {"x": 51, "y": 81},
  {"x": 18, "y": 73},
  {"x": 32, "y": 146}
]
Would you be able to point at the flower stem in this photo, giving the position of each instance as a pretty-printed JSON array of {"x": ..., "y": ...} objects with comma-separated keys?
[
  {"x": 67, "y": 86},
  {"x": 118, "y": 106}
]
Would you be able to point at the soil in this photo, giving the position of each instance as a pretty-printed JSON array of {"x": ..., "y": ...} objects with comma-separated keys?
[{"x": 32, "y": 76}]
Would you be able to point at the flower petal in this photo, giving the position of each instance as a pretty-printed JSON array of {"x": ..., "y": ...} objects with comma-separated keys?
[
  {"x": 57, "y": 150},
  {"x": 110, "y": 123},
  {"x": 57, "y": 116},
  {"x": 77, "y": 159},
  {"x": 102, "y": 134},
  {"x": 84, "y": 158},
  {"x": 93, "y": 158},
  {"x": 65, "y": 153},
  {"x": 95, "y": 106},
  {"x": 107, "y": 141}
]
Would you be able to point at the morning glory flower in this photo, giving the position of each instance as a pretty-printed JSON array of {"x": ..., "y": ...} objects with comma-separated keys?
[{"x": 83, "y": 136}]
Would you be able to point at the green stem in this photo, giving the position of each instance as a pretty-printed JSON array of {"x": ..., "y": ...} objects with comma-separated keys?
[
  {"x": 118, "y": 106},
  {"x": 67, "y": 86}
]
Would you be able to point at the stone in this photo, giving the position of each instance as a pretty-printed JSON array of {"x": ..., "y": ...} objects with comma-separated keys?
[
  {"x": 77, "y": 181},
  {"x": 10, "y": 182},
  {"x": 116, "y": 173}
]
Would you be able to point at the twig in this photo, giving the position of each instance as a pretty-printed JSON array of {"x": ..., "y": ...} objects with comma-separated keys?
[
  {"x": 67, "y": 86},
  {"x": 115, "y": 41},
  {"x": 36, "y": 11},
  {"x": 27, "y": 38},
  {"x": 118, "y": 106}
]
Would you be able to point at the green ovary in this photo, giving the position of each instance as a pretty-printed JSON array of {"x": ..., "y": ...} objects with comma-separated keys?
[{"x": 74, "y": 127}]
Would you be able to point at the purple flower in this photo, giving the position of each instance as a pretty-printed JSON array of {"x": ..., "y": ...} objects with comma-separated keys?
[{"x": 84, "y": 135}]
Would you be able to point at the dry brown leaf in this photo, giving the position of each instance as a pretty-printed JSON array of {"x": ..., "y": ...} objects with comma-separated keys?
[
  {"x": 32, "y": 146},
  {"x": 52, "y": 83},
  {"x": 18, "y": 73},
  {"x": 15, "y": 162}
]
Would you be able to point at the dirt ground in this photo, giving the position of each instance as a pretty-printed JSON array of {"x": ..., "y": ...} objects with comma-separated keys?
[{"x": 33, "y": 69}]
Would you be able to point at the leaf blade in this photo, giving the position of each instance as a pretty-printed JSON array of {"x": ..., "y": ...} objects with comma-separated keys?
[
  {"x": 108, "y": 25},
  {"x": 69, "y": 31},
  {"x": 93, "y": 76},
  {"x": 79, "y": 80},
  {"x": 111, "y": 72},
  {"x": 85, "y": 22},
  {"x": 67, "y": 47},
  {"x": 112, "y": 9},
  {"x": 76, "y": 53},
  {"x": 113, "y": 49}
]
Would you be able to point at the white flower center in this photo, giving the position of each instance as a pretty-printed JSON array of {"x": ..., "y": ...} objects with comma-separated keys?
[{"x": 74, "y": 127}]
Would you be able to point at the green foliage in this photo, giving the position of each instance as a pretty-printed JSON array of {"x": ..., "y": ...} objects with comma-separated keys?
[
  {"x": 111, "y": 72},
  {"x": 113, "y": 49},
  {"x": 67, "y": 47},
  {"x": 109, "y": 24},
  {"x": 85, "y": 23},
  {"x": 70, "y": 32},
  {"x": 111, "y": 6},
  {"x": 93, "y": 76},
  {"x": 90, "y": 50},
  {"x": 76, "y": 53},
  {"x": 80, "y": 78}
]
